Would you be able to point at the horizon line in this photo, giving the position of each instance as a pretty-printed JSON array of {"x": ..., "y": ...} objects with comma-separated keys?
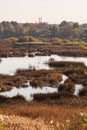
[{"x": 20, "y": 22}]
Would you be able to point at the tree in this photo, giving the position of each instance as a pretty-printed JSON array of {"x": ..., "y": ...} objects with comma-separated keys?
[{"x": 65, "y": 30}]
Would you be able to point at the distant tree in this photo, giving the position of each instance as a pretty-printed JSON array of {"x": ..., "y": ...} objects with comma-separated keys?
[
  {"x": 76, "y": 31},
  {"x": 65, "y": 30},
  {"x": 76, "y": 25}
]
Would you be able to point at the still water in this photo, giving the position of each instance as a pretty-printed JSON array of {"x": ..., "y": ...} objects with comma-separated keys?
[
  {"x": 11, "y": 64},
  {"x": 29, "y": 91}
]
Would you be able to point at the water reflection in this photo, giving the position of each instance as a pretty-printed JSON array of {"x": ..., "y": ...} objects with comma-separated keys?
[
  {"x": 11, "y": 64},
  {"x": 78, "y": 87},
  {"x": 64, "y": 78},
  {"x": 28, "y": 92}
]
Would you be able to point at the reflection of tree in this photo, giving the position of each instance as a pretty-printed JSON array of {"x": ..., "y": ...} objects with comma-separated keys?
[{"x": 39, "y": 61}]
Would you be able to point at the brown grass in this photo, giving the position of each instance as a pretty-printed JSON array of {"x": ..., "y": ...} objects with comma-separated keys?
[
  {"x": 65, "y": 64},
  {"x": 18, "y": 50},
  {"x": 83, "y": 92},
  {"x": 22, "y": 112},
  {"x": 68, "y": 86}
]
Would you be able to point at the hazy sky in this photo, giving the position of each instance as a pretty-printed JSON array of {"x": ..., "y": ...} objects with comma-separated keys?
[{"x": 52, "y": 11}]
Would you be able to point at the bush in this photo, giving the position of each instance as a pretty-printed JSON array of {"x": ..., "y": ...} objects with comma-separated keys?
[
  {"x": 28, "y": 39},
  {"x": 11, "y": 40}
]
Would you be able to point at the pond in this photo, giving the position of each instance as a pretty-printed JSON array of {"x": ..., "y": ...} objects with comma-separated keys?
[
  {"x": 29, "y": 91},
  {"x": 11, "y": 64},
  {"x": 78, "y": 87}
]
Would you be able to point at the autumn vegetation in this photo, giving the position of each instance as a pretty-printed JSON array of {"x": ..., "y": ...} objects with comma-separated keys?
[
  {"x": 65, "y": 30},
  {"x": 61, "y": 110}
]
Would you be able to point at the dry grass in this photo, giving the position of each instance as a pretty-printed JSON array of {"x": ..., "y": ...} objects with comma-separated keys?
[
  {"x": 47, "y": 114},
  {"x": 37, "y": 116},
  {"x": 17, "y": 50},
  {"x": 63, "y": 64}
]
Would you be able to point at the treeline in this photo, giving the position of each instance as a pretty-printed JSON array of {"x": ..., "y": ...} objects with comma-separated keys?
[{"x": 64, "y": 30}]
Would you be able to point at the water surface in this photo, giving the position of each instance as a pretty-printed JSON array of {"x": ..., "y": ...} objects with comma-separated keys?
[
  {"x": 11, "y": 64},
  {"x": 29, "y": 91},
  {"x": 78, "y": 87}
]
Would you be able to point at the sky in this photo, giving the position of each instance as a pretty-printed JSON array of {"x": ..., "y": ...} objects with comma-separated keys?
[{"x": 51, "y": 11}]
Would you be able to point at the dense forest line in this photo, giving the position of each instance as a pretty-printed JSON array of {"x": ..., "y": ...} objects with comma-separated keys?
[{"x": 64, "y": 30}]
